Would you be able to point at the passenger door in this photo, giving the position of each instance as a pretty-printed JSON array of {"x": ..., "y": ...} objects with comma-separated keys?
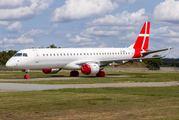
[{"x": 37, "y": 56}]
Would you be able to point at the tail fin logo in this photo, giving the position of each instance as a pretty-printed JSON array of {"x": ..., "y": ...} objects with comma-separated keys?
[{"x": 142, "y": 41}]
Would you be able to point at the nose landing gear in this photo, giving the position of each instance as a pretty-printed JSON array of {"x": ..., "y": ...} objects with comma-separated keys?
[{"x": 26, "y": 76}]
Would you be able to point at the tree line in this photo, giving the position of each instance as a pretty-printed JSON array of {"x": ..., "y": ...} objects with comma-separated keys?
[{"x": 5, "y": 56}]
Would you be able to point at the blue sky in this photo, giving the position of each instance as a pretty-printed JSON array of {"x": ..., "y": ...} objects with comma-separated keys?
[{"x": 87, "y": 23}]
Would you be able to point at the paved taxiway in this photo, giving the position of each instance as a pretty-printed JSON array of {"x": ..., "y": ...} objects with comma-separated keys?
[
  {"x": 6, "y": 87},
  {"x": 61, "y": 78},
  {"x": 32, "y": 87}
]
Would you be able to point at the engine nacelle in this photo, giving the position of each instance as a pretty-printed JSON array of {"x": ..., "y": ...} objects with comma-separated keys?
[
  {"x": 90, "y": 68},
  {"x": 50, "y": 71}
]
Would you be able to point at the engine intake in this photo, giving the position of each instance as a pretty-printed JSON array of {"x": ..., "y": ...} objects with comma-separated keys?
[
  {"x": 90, "y": 68},
  {"x": 50, "y": 71}
]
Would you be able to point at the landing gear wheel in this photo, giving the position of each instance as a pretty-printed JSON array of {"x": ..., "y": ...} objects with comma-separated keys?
[
  {"x": 74, "y": 74},
  {"x": 100, "y": 74},
  {"x": 26, "y": 76}
]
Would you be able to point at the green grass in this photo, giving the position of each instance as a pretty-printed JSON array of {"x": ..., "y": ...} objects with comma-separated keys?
[
  {"x": 32, "y": 74},
  {"x": 97, "y": 103},
  {"x": 160, "y": 103},
  {"x": 136, "y": 77}
]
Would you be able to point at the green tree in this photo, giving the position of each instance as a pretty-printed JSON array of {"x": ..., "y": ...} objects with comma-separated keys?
[
  {"x": 175, "y": 64},
  {"x": 5, "y": 56},
  {"x": 52, "y": 46},
  {"x": 153, "y": 63}
]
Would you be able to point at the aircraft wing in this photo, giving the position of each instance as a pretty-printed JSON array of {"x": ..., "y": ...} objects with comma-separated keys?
[
  {"x": 107, "y": 62},
  {"x": 112, "y": 61}
]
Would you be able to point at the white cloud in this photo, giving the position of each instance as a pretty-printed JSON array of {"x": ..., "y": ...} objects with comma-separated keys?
[
  {"x": 1, "y": 41},
  {"x": 165, "y": 34},
  {"x": 16, "y": 26},
  {"x": 126, "y": 28},
  {"x": 167, "y": 11},
  {"x": 87, "y": 43},
  {"x": 130, "y": 36},
  {"x": 82, "y": 9},
  {"x": 34, "y": 7},
  {"x": 11, "y": 3},
  {"x": 79, "y": 39},
  {"x": 124, "y": 18},
  {"x": 20, "y": 40},
  {"x": 103, "y": 45},
  {"x": 4, "y": 23},
  {"x": 170, "y": 40},
  {"x": 123, "y": 1},
  {"x": 91, "y": 31},
  {"x": 34, "y": 32},
  {"x": 131, "y": 1},
  {"x": 68, "y": 35},
  {"x": 6, "y": 46}
]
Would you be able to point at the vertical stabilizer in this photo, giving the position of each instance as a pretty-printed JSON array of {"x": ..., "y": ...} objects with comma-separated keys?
[{"x": 142, "y": 41}]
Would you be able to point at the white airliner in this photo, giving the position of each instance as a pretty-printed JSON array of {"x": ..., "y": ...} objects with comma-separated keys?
[{"x": 88, "y": 60}]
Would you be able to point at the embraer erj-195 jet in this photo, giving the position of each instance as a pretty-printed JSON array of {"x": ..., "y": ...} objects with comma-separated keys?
[{"x": 88, "y": 60}]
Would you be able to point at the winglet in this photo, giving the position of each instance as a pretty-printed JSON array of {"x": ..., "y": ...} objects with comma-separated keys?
[{"x": 167, "y": 52}]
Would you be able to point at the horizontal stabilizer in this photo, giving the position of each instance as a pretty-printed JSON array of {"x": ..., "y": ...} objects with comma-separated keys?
[{"x": 150, "y": 52}]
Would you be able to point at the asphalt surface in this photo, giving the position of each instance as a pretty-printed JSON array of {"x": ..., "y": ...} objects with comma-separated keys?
[
  {"x": 61, "y": 78},
  {"x": 9, "y": 87},
  {"x": 32, "y": 87}
]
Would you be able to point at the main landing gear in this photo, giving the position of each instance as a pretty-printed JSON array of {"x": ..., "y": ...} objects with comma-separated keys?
[
  {"x": 100, "y": 74},
  {"x": 74, "y": 73},
  {"x": 26, "y": 76}
]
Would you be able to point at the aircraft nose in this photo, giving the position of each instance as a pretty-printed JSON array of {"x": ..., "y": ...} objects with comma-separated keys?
[{"x": 10, "y": 64}]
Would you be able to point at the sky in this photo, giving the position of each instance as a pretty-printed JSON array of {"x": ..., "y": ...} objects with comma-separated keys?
[{"x": 88, "y": 23}]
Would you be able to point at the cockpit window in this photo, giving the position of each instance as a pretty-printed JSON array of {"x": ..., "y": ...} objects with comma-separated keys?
[
  {"x": 25, "y": 54},
  {"x": 18, "y": 55}
]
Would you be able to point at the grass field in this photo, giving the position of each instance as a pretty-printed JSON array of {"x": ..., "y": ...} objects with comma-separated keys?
[
  {"x": 99, "y": 103},
  {"x": 136, "y": 77},
  {"x": 151, "y": 103}
]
